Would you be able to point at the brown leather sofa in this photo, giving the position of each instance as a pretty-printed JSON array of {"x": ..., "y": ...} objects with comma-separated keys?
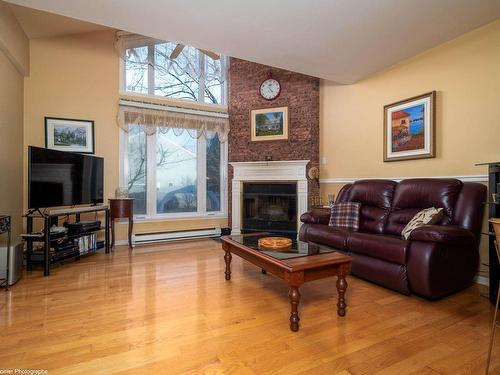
[{"x": 435, "y": 261}]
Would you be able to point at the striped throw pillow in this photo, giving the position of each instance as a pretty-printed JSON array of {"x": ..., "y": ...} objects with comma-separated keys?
[
  {"x": 345, "y": 215},
  {"x": 429, "y": 216}
]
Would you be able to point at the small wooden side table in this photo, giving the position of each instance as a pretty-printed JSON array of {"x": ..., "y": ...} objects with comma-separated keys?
[{"x": 122, "y": 208}]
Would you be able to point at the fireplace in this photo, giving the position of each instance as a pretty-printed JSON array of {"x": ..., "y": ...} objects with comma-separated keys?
[
  {"x": 269, "y": 207},
  {"x": 270, "y": 193}
]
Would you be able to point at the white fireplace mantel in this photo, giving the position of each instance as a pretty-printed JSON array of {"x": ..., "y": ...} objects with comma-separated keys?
[{"x": 268, "y": 171}]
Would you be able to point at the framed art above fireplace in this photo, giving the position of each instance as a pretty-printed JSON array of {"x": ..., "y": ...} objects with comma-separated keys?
[{"x": 269, "y": 124}]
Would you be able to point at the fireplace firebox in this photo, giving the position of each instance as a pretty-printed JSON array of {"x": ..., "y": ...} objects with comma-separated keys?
[{"x": 270, "y": 207}]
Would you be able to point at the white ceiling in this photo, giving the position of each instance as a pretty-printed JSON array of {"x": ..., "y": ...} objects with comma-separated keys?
[
  {"x": 39, "y": 24},
  {"x": 339, "y": 40}
]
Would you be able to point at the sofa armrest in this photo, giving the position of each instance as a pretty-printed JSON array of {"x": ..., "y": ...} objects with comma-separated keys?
[
  {"x": 316, "y": 216},
  {"x": 438, "y": 269},
  {"x": 448, "y": 234}
]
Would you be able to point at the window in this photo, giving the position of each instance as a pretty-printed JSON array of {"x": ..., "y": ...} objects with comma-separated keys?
[
  {"x": 192, "y": 75},
  {"x": 136, "y": 68},
  {"x": 137, "y": 166},
  {"x": 213, "y": 166},
  {"x": 174, "y": 173},
  {"x": 173, "y": 159}
]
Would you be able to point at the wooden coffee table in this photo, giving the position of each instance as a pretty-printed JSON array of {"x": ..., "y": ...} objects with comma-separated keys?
[{"x": 302, "y": 262}]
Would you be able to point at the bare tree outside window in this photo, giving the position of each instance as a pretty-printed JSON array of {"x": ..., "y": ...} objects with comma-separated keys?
[
  {"x": 190, "y": 76},
  {"x": 214, "y": 80},
  {"x": 137, "y": 166},
  {"x": 213, "y": 161},
  {"x": 136, "y": 69},
  {"x": 176, "y": 170},
  {"x": 178, "y": 78}
]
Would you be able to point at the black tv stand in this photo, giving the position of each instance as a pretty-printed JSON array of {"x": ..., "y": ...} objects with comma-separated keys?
[{"x": 49, "y": 216}]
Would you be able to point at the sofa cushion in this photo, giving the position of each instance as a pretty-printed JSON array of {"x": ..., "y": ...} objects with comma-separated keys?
[
  {"x": 413, "y": 195},
  {"x": 384, "y": 247},
  {"x": 329, "y": 236},
  {"x": 345, "y": 215},
  {"x": 375, "y": 197}
]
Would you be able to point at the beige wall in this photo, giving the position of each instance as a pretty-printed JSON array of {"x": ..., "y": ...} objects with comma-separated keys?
[
  {"x": 466, "y": 75},
  {"x": 13, "y": 42},
  {"x": 11, "y": 144},
  {"x": 465, "y": 72},
  {"x": 13, "y": 63},
  {"x": 77, "y": 76}
]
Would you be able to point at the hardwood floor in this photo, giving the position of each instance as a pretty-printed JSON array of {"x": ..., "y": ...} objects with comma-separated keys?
[{"x": 167, "y": 309}]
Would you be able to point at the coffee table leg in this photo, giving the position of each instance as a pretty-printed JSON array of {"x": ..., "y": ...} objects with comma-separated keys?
[
  {"x": 227, "y": 258},
  {"x": 341, "y": 288},
  {"x": 294, "y": 295}
]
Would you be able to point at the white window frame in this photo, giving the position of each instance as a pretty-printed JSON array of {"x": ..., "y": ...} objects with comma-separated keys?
[
  {"x": 151, "y": 92},
  {"x": 151, "y": 194}
]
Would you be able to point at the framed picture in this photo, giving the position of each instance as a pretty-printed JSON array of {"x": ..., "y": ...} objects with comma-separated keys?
[
  {"x": 69, "y": 135},
  {"x": 269, "y": 124},
  {"x": 409, "y": 128}
]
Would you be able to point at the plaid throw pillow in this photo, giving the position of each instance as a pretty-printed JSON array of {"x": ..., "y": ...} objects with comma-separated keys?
[{"x": 345, "y": 215}]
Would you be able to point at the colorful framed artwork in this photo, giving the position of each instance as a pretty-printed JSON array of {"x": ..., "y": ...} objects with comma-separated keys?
[
  {"x": 69, "y": 135},
  {"x": 409, "y": 128},
  {"x": 269, "y": 124}
]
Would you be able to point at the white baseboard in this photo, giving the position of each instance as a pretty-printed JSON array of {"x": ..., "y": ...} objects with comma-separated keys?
[
  {"x": 121, "y": 242},
  {"x": 175, "y": 235},
  {"x": 3, "y": 248},
  {"x": 482, "y": 280}
]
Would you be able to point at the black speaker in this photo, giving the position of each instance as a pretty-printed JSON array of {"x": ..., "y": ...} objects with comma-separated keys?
[{"x": 225, "y": 231}]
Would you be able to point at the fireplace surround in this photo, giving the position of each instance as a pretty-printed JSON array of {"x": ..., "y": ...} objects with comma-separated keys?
[{"x": 291, "y": 172}]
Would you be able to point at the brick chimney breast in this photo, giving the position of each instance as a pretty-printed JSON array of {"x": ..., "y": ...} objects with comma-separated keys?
[{"x": 299, "y": 92}]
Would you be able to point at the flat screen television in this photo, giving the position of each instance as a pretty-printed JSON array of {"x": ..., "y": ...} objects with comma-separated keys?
[{"x": 59, "y": 178}]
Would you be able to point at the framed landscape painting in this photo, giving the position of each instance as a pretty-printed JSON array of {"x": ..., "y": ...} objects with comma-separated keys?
[
  {"x": 269, "y": 124},
  {"x": 69, "y": 135},
  {"x": 409, "y": 128}
]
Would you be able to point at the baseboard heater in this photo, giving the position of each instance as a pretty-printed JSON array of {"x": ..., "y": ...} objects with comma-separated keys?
[{"x": 143, "y": 238}]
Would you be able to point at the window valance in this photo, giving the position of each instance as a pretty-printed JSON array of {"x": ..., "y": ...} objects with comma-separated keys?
[{"x": 154, "y": 117}]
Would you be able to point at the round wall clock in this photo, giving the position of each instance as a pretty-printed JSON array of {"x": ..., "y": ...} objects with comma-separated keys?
[{"x": 270, "y": 89}]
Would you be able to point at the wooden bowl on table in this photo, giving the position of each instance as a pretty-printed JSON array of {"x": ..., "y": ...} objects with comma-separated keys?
[{"x": 275, "y": 243}]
